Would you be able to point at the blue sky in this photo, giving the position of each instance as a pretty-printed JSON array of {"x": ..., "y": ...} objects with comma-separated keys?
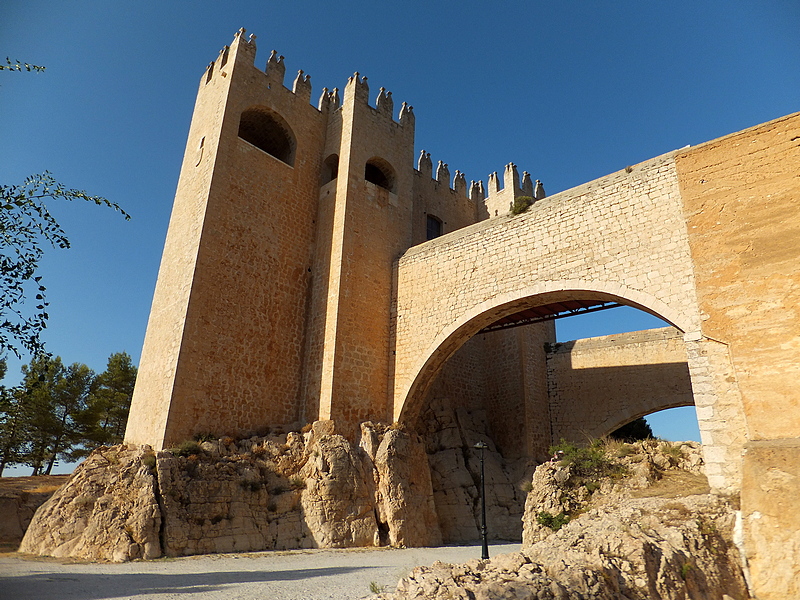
[{"x": 569, "y": 91}]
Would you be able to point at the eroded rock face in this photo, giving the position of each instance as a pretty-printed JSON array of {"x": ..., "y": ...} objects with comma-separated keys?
[
  {"x": 632, "y": 535},
  {"x": 276, "y": 492},
  {"x": 338, "y": 502},
  {"x": 96, "y": 516},
  {"x": 405, "y": 494},
  {"x": 451, "y": 434}
]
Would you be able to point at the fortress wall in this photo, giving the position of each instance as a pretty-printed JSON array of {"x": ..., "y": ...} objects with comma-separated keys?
[
  {"x": 462, "y": 380},
  {"x": 321, "y": 274},
  {"x": 741, "y": 195},
  {"x": 432, "y": 197},
  {"x": 147, "y": 421},
  {"x": 598, "y": 384},
  {"x": 516, "y": 389},
  {"x": 372, "y": 226},
  {"x": 622, "y": 236}
]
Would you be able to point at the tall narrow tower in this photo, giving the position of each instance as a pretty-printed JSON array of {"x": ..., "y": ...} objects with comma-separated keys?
[{"x": 225, "y": 340}]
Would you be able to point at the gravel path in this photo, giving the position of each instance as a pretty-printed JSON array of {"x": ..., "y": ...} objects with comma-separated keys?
[{"x": 300, "y": 574}]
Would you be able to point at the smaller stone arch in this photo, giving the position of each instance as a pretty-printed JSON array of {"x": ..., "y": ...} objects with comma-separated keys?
[
  {"x": 378, "y": 171},
  {"x": 330, "y": 169},
  {"x": 268, "y": 131}
]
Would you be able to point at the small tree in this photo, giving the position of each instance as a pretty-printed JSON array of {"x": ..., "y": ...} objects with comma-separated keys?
[
  {"x": 110, "y": 402},
  {"x": 638, "y": 429}
]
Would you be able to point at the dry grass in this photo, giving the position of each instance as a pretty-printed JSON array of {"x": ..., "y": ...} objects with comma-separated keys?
[
  {"x": 674, "y": 484},
  {"x": 41, "y": 484}
]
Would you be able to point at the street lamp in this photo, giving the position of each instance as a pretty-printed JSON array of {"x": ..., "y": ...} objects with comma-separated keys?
[{"x": 485, "y": 552}]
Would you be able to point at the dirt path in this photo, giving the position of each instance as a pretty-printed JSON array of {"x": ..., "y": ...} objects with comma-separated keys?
[{"x": 301, "y": 575}]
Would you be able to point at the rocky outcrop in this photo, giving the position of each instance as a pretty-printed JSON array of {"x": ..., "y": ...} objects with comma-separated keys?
[
  {"x": 19, "y": 499},
  {"x": 106, "y": 511},
  {"x": 451, "y": 434},
  {"x": 630, "y": 532},
  {"x": 283, "y": 491},
  {"x": 404, "y": 491}
]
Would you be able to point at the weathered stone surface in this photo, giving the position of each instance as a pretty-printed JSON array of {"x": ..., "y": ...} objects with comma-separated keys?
[
  {"x": 106, "y": 511},
  {"x": 278, "y": 492},
  {"x": 405, "y": 490},
  {"x": 19, "y": 499},
  {"x": 620, "y": 547},
  {"x": 338, "y": 502},
  {"x": 451, "y": 434}
]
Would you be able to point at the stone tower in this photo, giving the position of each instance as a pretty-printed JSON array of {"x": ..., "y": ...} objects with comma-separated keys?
[{"x": 274, "y": 293}]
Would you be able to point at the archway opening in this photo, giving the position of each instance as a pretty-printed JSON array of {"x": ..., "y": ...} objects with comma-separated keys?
[
  {"x": 521, "y": 381},
  {"x": 380, "y": 172},
  {"x": 268, "y": 131},
  {"x": 330, "y": 169}
]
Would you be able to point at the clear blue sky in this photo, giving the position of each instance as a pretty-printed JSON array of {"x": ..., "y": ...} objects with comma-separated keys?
[{"x": 569, "y": 91}]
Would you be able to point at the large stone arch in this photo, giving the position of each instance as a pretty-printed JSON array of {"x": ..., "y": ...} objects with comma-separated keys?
[{"x": 465, "y": 326}]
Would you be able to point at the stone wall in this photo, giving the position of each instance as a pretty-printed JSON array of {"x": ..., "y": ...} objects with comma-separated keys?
[
  {"x": 598, "y": 384},
  {"x": 741, "y": 195},
  {"x": 234, "y": 279},
  {"x": 620, "y": 237}
]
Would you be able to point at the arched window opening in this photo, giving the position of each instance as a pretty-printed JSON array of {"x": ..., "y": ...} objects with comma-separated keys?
[
  {"x": 379, "y": 172},
  {"x": 434, "y": 227},
  {"x": 330, "y": 169},
  {"x": 267, "y": 131}
]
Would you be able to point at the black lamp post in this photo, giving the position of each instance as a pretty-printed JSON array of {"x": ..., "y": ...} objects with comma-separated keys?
[{"x": 485, "y": 552}]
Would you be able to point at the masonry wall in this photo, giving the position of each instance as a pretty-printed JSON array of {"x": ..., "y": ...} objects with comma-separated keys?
[
  {"x": 621, "y": 237},
  {"x": 502, "y": 374},
  {"x": 371, "y": 226},
  {"x": 741, "y": 195},
  {"x": 434, "y": 197},
  {"x": 598, "y": 384},
  {"x": 240, "y": 351}
]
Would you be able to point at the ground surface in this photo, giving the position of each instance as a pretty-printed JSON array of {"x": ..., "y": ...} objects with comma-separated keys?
[
  {"x": 302, "y": 574},
  {"x": 39, "y": 483}
]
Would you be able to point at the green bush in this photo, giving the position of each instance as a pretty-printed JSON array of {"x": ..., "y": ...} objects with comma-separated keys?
[
  {"x": 187, "y": 448},
  {"x": 636, "y": 430},
  {"x": 554, "y": 522},
  {"x": 521, "y": 204},
  {"x": 587, "y": 461}
]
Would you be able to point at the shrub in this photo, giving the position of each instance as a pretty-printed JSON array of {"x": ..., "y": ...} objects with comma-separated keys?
[
  {"x": 149, "y": 460},
  {"x": 205, "y": 436},
  {"x": 375, "y": 588},
  {"x": 587, "y": 461},
  {"x": 554, "y": 522},
  {"x": 187, "y": 448},
  {"x": 521, "y": 204},
  {"x": 636, "y": 430}
]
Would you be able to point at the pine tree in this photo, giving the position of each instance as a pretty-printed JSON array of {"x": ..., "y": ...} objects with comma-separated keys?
[{"x": 110, "y": 402}]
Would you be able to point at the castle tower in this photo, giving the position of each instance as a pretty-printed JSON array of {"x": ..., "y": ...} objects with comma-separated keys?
[
  {"x": 274, "y": 297},
  {"x": 364, "y": 225},
  {"x": 225, "y": 340}
]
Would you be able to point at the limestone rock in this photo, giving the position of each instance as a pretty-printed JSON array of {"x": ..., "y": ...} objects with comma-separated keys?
[
  {"x": 106, "y": 511},
  {"x": 641, "y": 532},
  {"x": 338, "y": 500},
  {"x": 405, "y": 490}
]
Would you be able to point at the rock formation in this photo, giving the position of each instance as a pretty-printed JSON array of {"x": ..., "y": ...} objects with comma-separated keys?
[
  {"x": 625, "y": 529},
  {"x": 282, "y": 491}
]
